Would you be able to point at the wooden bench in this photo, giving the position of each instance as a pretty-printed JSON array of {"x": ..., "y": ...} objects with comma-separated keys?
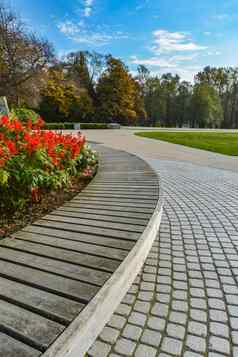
[{"x": 63, "y": 276}]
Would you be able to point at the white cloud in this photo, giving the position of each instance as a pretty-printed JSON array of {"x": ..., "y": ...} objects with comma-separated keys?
[
  {"x": 163, "y": 62},
  {"x": 213, "y": 53},
  {"x": 186, "y": 74},
  {"x": 88, "y": 7},
  {"x": 185, "y": 58},
  {"x": 172, "y": 52},
  {"x": 153, "y": 61},
  {"x": 142, "y": 5},
  {"x": 79, "y": 33},
  {"x": 88, "y": 3},
  {"x": 221, "y": 17},
  {"x": 165, "y": 41}
]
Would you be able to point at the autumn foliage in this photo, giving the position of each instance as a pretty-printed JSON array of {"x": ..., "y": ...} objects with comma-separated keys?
[{"x": 33, "y": 161}]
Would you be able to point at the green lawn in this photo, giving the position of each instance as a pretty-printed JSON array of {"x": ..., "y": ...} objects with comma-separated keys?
[{"x": 223, "y": 143}]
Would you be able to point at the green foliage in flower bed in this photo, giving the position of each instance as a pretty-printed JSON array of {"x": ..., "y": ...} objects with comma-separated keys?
[
  {"x": 34, "y": 161},
  {"x": 24, "y": 114}
]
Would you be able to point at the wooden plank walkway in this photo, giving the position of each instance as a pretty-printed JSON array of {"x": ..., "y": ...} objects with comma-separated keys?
[{"x": 50, "y": 270}]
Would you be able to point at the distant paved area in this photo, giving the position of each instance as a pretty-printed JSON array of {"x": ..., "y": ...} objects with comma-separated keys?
[
  {"x": 125, "y": 139},
  {"x": 185, "y": 301}
]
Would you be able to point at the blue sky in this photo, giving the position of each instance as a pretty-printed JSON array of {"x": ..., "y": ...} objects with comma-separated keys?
[{"x": 178, "y": 36}]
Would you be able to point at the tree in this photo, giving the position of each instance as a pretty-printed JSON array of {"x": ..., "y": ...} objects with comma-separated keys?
[
  {"x": 143, "y": 76},
  {"x": 169, "y": 88},
  {"x": 153, "y": 104},
  {"x": 58, "y": 98},
  {"x": 116, "y": 91},
  {"x": 62, "y": 100},
  {"x": 207, "y": 109},
  {"x": 183, "y": 104},
  {"x": 215, "y": 77},
  {"x": 230, "y": 99},
  {"x": 23, "y": 58},
  {"x": 85, "y": 69},
  {"x": 78, "y": 69},
  {"x": 225, "y": 82},
  {"x": 82, "y": 110}
]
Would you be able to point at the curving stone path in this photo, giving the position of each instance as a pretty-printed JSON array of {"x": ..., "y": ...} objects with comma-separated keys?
[{"x": 185, "y": 300}]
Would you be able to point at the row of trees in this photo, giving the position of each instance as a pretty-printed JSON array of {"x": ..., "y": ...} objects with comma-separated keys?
[
  {"x": 87, "y": 86},
  {"x": 212, "y": 101},
  {"x": 172, "y": 102},
  {"x": 90, "y": 87}
]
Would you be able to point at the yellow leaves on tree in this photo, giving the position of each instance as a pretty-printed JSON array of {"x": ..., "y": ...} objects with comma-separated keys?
[
  {"x": 117, "y": 93},
  {"x": 63, "y": 100}
]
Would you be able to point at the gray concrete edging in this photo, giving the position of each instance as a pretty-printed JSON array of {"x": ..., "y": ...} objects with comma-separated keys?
[{"x": 82, "y": 332}]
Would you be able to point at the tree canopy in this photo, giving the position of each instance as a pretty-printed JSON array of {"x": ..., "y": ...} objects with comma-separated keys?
[
  {"x": 88, "y": 86},
  {"x": 117, "y": 93}
]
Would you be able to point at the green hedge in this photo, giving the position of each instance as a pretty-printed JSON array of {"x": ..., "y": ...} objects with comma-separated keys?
[
  {"x": 59, "y": 126},
  {"x": 70, "y": 126},
  {"x": 93, "y": 126}
]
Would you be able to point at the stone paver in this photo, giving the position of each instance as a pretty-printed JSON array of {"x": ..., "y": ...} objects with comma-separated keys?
[{"x": 185, "y": 300}]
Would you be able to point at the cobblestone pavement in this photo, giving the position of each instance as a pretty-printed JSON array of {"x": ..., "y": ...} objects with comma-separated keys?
[{"x": 185, "y": 300}]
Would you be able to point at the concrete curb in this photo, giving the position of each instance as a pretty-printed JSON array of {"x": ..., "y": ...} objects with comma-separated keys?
[{"x": 82, "y": 332}]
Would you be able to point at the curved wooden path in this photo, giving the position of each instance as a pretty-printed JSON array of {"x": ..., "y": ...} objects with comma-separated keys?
[{"x": 52, "y": 269}]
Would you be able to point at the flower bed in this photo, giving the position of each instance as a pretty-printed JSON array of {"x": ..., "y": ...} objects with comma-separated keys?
[{"x": 35, "y": 163}]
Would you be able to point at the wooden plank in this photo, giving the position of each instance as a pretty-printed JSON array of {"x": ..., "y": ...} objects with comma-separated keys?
[
  {"x": 47, "y": 264},
  {"x": 10, "y": 347},
  {"x": 67, "y": 211},
  {"x": 127, "y": 175},
  {"x": 125, "y": 184},
  {"x": 71, "y": 289},
  {"x": 89, "y": 230},
  {"x": 49, "y": 305},
  {"x": 116, "y": 202},
  {"x": 104, "y": 264},
  {"x": 137, "y": 197},
  {"x": 113, "y": 211},
  {"x": 142, "y": 180},
  {"x": 76, "y": 246},
  {"x": 32, "y": 327},
  {"x": 122, "y": 186},
  {"x": 122, "y": 190},
  {"x": 61, "y": 217},
  {"x": 81, "y": 237}
]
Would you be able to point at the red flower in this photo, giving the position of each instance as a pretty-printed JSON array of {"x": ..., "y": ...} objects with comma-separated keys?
[
  {"x": 40, "y": 123},
  {"x": 11, "y": 147},
  {"x": 5, "y": 120},
  {"x": 17, "y": 125},
  {"x": 29, "y": 124}
]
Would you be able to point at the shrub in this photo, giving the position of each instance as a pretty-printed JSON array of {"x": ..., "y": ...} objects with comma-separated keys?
[
  {"x": 93, "y": 126},
  {"x": 59, "y": 126},
  {"x": 24, "y": 115},
  {"x": 33, "y": 161},
  {"x": 70, "y": 126}
]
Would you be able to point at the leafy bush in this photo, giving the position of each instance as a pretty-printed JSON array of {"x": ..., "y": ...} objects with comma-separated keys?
[
  {"x": 93, "y": 126},
  {"x": 70, "y": 126},
  {"x": 59, "y": 126},
  {"x": 24, "y": 115},
  {"x": 33, "y": 161}
]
